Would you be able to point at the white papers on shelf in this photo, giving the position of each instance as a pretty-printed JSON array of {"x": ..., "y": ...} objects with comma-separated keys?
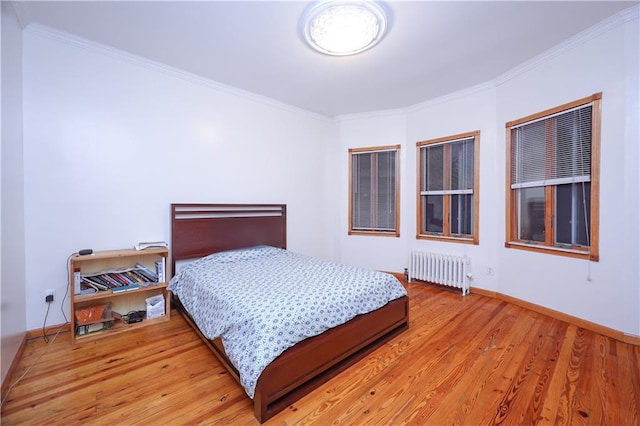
[{"x": 151, "y": 244}]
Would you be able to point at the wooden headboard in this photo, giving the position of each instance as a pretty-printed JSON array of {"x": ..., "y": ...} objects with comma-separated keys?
[{"x": 201, "y": 229}]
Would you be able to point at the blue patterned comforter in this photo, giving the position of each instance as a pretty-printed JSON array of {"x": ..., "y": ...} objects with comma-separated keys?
[{"x": 263, "y": 300}]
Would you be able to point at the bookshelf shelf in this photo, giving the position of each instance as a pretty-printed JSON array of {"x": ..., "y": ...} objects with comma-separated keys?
[
  {"x": 119, "y": 327},
  {"x": 108, "y": 293},
  {"x": 120, "y": 303}
]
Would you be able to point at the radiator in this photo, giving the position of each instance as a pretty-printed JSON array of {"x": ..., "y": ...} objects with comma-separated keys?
[{"x": 440, "y": 269}]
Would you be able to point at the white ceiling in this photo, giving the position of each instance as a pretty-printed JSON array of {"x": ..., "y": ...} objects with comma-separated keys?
[{"x": 431, "y": 48}]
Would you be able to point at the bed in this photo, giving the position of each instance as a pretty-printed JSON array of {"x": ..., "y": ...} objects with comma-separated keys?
[{"x": 211, "y": 231}]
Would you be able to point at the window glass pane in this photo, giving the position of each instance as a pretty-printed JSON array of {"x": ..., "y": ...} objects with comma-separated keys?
[
  {"x": 462, "y": 214},
  {"x": 573, "y": 213},
  {"x": 462, "y": 164},
  {"x": 386, "y": 186},
  {"x": 362, "y": 191},
  {"x": 434, "y": 168},
  {"x": 532, "y": 210},
  {"x": 434, "y": 208}
]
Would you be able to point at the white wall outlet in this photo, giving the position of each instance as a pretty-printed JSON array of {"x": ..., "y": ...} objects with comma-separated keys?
[
  {"x": 490, "y": 270},
  {"x": 48, "y": 293}
]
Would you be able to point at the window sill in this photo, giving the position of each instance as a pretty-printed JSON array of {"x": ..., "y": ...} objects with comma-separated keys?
[
  {"x": 558, "y": 251},
  {"x": 375, "y": 233},
  {"x": 462, "y": 240}
]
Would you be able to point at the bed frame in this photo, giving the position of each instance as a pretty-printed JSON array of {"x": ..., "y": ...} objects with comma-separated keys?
[{"x": 201, "y": 229}]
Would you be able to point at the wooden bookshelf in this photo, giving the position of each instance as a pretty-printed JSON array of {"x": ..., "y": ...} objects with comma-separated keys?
[{"x": 121, "y": 303}]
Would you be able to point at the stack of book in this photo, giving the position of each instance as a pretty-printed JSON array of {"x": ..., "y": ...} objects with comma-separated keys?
[{"x": 121, "y": 280}]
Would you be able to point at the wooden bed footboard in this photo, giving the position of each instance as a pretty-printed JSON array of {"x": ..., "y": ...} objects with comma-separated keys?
[
  {"x": 302, "y": 368},
  {"x": 312, "y": 362}
]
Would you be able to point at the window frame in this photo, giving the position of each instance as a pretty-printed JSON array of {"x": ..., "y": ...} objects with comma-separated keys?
[
  {"x": 548, "y": 246},
  {"x": 386, "y": 148},
  {"x": 446, "y": 235}
]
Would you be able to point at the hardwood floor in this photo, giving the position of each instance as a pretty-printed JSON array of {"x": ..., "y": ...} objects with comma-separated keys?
[{"x": 472, "y": 360}]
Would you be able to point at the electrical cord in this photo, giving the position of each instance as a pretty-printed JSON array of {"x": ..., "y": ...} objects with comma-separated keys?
[
  {"x": 44, "y": 334},
  {"x": 66, "y": 292},
  {"x": 49, "y": 344},
  {"x": 44, "y": 324},
  {"x": 133, "y": 317}
]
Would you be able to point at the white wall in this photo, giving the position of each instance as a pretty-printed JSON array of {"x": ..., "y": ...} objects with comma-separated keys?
[
  {"x": 595, "y": 291},
  {"x": 632, "y": 133},
  {"x": 110, "y": 142},
  {"x": 12, "y": 249},
  {"x": 460, "y": 113},
  {"x": 355, "y": 249},
  {"x": 604, "y": 59}
]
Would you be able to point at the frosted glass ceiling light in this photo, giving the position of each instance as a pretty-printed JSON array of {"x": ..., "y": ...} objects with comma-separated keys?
[{"x": 344, "y": 27}]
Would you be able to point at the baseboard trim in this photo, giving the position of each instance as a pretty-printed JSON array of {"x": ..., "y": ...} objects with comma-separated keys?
[
  {"x": 50, "y": 331},
  {"x": 578, "y": 322},
  {"x": 8, "y": 379}
]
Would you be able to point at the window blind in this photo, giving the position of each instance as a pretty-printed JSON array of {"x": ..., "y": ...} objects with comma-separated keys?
[
  {"x": 362, "y": 196},
  {"x": 386, "y": 191},
  {"x": 460, "y": 168},
  {"x": 374, "y": 191},
  {"x": 552, "y": 151}
]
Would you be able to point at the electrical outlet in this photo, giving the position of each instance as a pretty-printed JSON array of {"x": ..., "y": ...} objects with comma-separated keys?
[
  {"x": 49, "y": 296},
  {"x": 489, "y": 270}
]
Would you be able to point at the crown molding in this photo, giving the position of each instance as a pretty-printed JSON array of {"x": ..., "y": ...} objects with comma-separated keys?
[
  {"x": 20, "y": 9},
  {"x": 422, "y": 105},
  {"x": 571, "y": 43},
  {"x": 72, "y": 40},
  {"x": 630, "y": 13},
  {"x": 372, "y": 114},
  {"x": 463, "y": 93},
  {"x": 591, "y": 33}
]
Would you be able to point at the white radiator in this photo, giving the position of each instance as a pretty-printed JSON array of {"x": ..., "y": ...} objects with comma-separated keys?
[{"x": 440, "y": 269}]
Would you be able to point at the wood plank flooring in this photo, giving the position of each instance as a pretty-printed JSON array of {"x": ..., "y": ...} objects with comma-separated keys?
[{"x": 468, "y": 361}]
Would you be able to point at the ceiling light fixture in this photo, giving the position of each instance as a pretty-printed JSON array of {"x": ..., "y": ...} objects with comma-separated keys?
[{"x": 341, "y": 28}]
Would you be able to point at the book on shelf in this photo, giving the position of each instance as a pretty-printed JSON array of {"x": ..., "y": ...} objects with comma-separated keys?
[
  {"x": 133, "y": 277},
  {"x": 160, "y": 270},
  {"x": 87, "y": 290},
  {"x": 152, "y": 275},
  {"x": 125, "y": 288},
  {"x": 77, "y": 280},
  {"x": 111, "y": 280},
  {"x": 98, "y": 280},
  {"x": 151, "y": 244},
  {"x": 85, "y": 329},
  {"x": 126, "y": 278},
  {"x": 94, "y": 283},
  {"x": 119, "y": 280},
  {"x": 142, "y": 277}
]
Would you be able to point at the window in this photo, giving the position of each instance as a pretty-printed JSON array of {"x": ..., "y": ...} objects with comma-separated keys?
[
  {"x": 552, "y": 168},
  {"x": 374, "y": 188},
  {"x": 448, "y": 188}
]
